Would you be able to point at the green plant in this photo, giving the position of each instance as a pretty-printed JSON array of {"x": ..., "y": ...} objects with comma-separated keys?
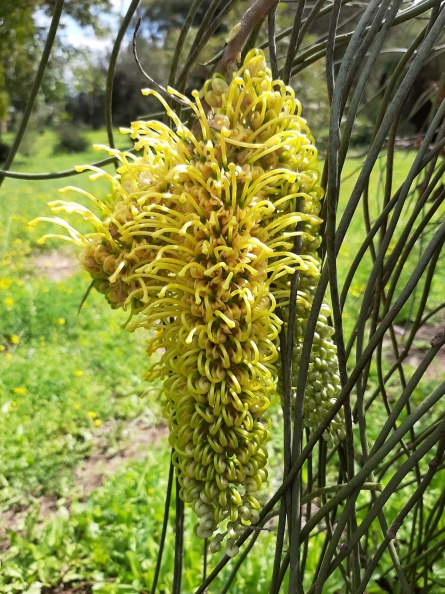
[
  {"x": 366, "y": 514},
  {"x": 51, "y": 420},
  {"x": 70, "y": 139},
  {"x": 4, "y": 151},
  {"x": 111, "y": 540}
]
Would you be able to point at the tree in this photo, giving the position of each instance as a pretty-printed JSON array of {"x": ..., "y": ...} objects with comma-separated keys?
[{"x": 21, "y": 42}]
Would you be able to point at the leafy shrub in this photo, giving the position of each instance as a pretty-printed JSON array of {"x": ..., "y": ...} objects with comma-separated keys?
[
  {"x": 29, "y": 146},
  {"x": 71, "y": 140},
  {"x": 4, "y": 151}
]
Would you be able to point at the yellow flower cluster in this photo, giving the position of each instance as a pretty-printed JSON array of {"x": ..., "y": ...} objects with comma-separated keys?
[
  {"x": 196, "y": 240},
  {"x": 323, "y": 380}
]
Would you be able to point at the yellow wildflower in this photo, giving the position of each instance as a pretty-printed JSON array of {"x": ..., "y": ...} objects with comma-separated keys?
[
  {"x": 92, "y": 414},
  {"x": 78, "y": 372},
  {"x": 14, "y": 339},
  {"x": 20, "y": 390},
  {"x": 357, "y": 290},
  {"x": 97, "y": 423},
  {"x": 9, "y": 302},
  {"x": 5, "y": 283}
]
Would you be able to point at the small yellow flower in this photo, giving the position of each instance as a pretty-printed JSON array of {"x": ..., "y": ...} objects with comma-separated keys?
[
  {"x": 97, "y": 423},
  {"x": 14, "y": 339},
  {"x": 78, "y": 372},
  {"x": 8, "y": 356},
  {"x": 9, "y": 302},
  {"x": 5, "y": 283},
  {"x": 356, "y": 290},
  {"x": 20, "y": 390},
  {"x": 13, "y": 403},
  {"x": 92, "y": 414},
  {"x": 2, "y": 348},
  {"x": 69, "y": 291},
  {"x": 150, "y": 491},
  {"x": 60, "y": 321}
]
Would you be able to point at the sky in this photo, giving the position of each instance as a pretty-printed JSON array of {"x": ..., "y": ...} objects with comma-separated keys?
[{"x": 84, "y": 37}]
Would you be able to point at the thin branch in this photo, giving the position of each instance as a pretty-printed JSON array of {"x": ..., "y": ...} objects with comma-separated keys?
[
  {"x": 35, "y": 87},
  {"x": 272, "y": 42},
  {"x": 256, "y": 13},
  {"x": 147, "y": 76},
  {"x": 179, "y": 542},
  {"x": 112, "y": 68},
  {"x": 164, "y": 527}
]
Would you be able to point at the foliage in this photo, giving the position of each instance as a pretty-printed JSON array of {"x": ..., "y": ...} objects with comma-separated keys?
[
  {"x": 21, "y": 42},
  {"x": 112, "y": 540},
  {"x": 171, "y": 14},
  {"x": 51, "y": 418},
  {"x": 70, "y": 139}
]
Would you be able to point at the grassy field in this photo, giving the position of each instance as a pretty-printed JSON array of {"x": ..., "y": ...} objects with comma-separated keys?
[
  {"x": 71, "y": 388},
  {"x": 63, "y": 376}
]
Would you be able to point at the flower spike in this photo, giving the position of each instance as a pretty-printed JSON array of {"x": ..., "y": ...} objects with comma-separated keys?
[{"x": 196, "y": 240}]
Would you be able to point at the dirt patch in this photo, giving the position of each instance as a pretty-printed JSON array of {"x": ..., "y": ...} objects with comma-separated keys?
[
  {"x": 53, "y": 264},
  {"x": 138, "y": 439},
  {"x": 97, "y": 468},
  {"x": 421, "y": 344}
]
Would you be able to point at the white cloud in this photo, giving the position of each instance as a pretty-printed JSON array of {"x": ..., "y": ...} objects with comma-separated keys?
[
  {"x": 85, "y": 37},
  {"x": 80, "y": 40},
  {"x": 120, "y": 6}
]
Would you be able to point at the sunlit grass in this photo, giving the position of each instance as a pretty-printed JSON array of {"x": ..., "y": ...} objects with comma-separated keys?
[{"x": 63, "y": 376}]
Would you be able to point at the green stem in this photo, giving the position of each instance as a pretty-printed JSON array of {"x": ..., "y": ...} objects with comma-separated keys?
[
  {"x": 35, "y": 87},
  {"x": 179, "y": 542},
  {"x": 164, "y": 527},
  {"x": 335, "y": 488},
  {"x": 112, "y": 68}
]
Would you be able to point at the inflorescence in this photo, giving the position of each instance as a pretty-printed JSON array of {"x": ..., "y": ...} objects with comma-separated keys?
[{"x": 196, "y": 241}]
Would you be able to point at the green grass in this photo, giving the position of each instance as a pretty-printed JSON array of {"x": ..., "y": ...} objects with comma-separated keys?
[
  {"x": 60, "y": 383},
  {"x": 62, "y": 376},
  {"x": 357, "y": 232},
  {"x": 112, "y": 539},
  {"x": 23, "y": 201}
]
